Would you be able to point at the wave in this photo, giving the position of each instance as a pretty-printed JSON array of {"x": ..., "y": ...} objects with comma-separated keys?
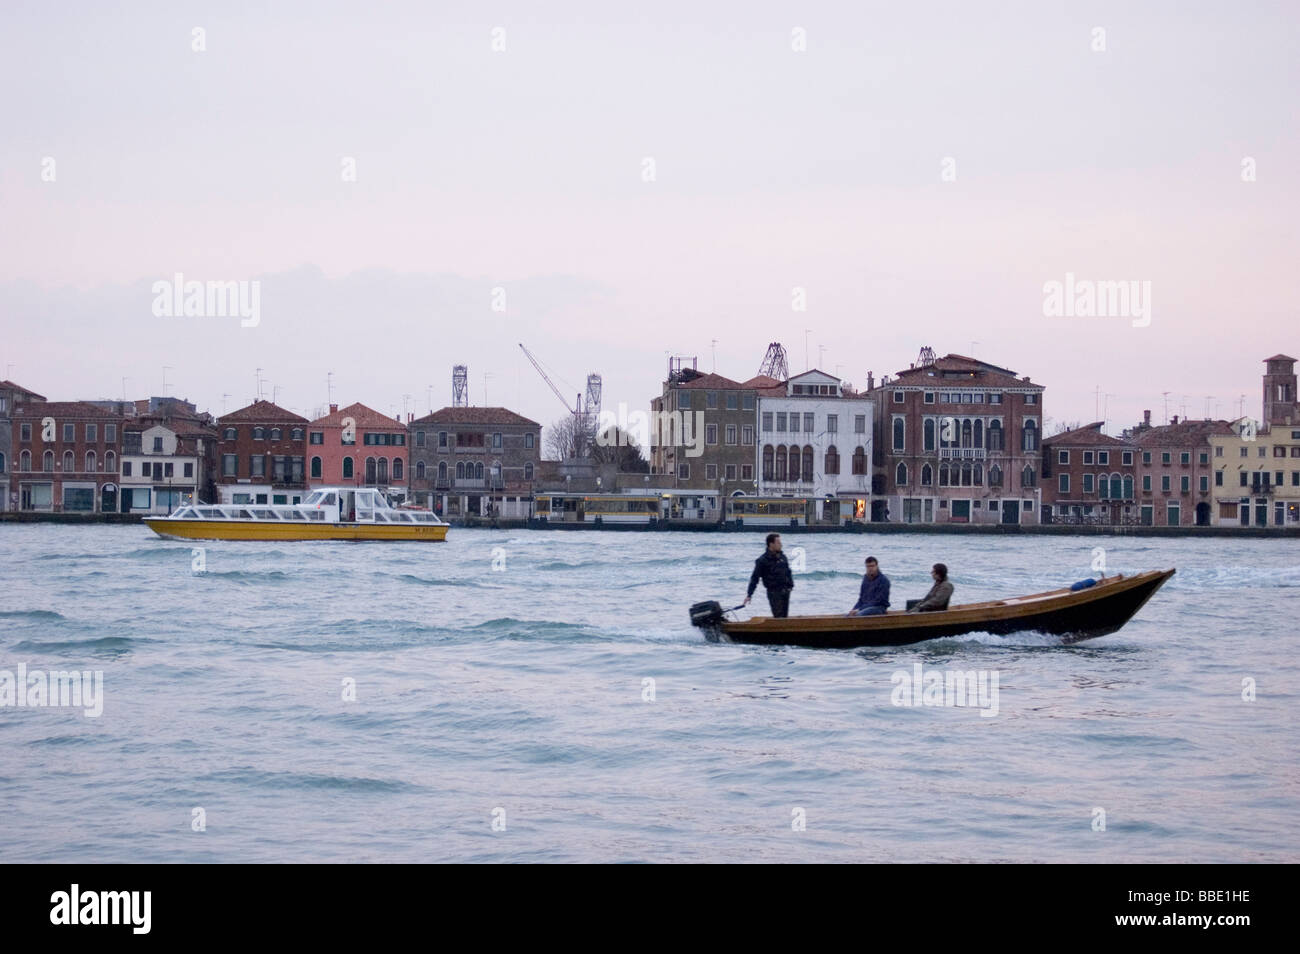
[
  {"x": 41, "y": 615},
  {"x": 358, "y": 784},
  {"x": 102, "y": 644}
]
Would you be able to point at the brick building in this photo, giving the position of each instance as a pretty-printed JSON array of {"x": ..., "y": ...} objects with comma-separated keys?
[
  {"x": 1089, "y": 477},
  {"x": 67, "y": 456},
  {"x": 475, "y": 460},
  {"x": 262, "y": 449},
  {"x": 11, "y": 396},
  {"x": 960, "y": 441},
  {"x": 1175, "y": 474},
  {"x": 358, "y": 446}
]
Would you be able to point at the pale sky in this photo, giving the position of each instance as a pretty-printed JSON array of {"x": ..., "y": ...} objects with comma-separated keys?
[{"x": 522, "y": 169}]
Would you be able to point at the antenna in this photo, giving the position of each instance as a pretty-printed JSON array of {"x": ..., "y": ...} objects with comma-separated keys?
[
  {"x": 329, "y": 388},
  {"x": 806, "y": 333},
  {"x": 1166, "y": 394},
  {"x": 259, "y": 384},
  {"x": 714, "y": 347}
]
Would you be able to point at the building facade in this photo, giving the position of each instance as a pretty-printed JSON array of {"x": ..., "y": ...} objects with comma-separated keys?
[
  {"x": 166, "y": 463},
  {"x": 704, "y": 433},
  {"x": 1174, "y": 472},
  {"x": 960, "y": 442},
  {"x": 816, "y": 441},
  {"x": 359, "y": 446},
  {"x": 1089, "y": 478},
  {"x": 480, "y": 461},
  {"x": 67, "y": 456},
  {"x": 262, "y": 450},
  {"x": 11, "y": 396}
]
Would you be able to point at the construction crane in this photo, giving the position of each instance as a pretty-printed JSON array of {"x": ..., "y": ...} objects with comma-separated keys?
[
  {"x": 584, "y": 418},
  {"x": 774, "y": 362}
]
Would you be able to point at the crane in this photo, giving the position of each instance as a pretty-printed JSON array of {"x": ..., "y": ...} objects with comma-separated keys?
[{"x": 584, "y": 421}]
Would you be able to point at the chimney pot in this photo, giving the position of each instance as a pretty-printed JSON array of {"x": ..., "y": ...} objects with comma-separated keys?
[{"x": 334, "y": 408}]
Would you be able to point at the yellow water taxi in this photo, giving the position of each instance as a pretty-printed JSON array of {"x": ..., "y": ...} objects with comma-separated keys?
[{"x": 328, "y": 513}]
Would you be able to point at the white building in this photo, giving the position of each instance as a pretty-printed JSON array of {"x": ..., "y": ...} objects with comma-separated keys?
[
  {"x": 814, "y": 441},
  {"x": 159, "y": 472}
]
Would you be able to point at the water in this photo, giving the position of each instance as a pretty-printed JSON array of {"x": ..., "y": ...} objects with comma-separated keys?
[{"x": 521, "y": 690}]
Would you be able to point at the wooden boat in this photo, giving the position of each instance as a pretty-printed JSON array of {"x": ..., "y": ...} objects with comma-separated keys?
[
  {"x": 1072, "y": 614},
  {"x": 328, "y": 513}
]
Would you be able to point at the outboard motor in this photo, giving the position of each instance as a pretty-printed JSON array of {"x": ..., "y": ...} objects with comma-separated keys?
[{"x": 708, "y": 617}]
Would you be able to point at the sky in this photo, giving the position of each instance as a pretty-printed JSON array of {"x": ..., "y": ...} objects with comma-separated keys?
[{"x": 417, "y": 185}]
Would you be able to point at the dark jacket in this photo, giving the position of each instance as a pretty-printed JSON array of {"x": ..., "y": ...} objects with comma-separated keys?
[
  {"x": 936, "y": 599},
  {"x": 773, "y": 570},
  {"x": 874, "y": 592}
]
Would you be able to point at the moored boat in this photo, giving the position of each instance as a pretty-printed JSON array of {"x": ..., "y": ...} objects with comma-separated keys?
[
  {"x": 1073, "y": 614},
  {"x": 328, "y": 513}
]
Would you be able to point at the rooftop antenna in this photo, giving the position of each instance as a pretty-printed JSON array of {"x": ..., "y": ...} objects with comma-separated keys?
[
  {"x": 821, "y": 354},
  {"x": 806, "y": 333},
  {"x": 124, "y": 380},
  {"x": 486, "y": 375},
  {"x": 329, "y": 388},
  {"x": 223, "y": 404},
  {"x": 1105, "y": 410},
  {"x": 166, "y": 368},
  {"x": 714, "y": 348},
  {"x": 259, "y": 384},
  {"x": 925, "y": 357},
  {"x": 1166, "y": 394},
  {"x": 429, "y": 393}
]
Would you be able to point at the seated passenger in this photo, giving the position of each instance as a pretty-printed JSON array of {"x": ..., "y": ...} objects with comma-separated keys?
[
  {"x": 873, "y": 598},
  {"x": 939, "y": 595}
]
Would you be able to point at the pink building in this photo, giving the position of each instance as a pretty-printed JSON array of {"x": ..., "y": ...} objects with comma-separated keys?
[{"x": 358, "y": 447}]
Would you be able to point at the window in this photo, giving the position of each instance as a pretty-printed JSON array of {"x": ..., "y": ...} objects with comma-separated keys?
[
  {"x": 496, "y": 439},
  {"x": 92, "y": 435},
  {"x": 1063, "y": 486},
  {"x": 257, "y": 465},
  {"x": 767, "y": 421},
  {"x": 733, "y": 401},
  {"x": 26, "y": 432},
  {"x": 1063, "y": 457},
  {"x": 419, "y": 438},
  {"x": 898, "y": 399},
  {"x": 1165, "y": 457},
  {"x": 1218, "y": 478},
  {"x": 1087, "y": 457},
  {"x": 927, "y": 434},
  {"x": 69, "y": 433},
  {"x": 859, "y": 461},
  {"x": 1146, "y": 483},
  {"x": 684, "y": 403},
  {"x": 189, "y": 468},
  {"x": 1031, "y": 398},
  {"x": 929, "y": 399},
  {"x": 442, "y": 438},
  {"x": 68, "y": 463},
  {"x": 1204, "y": 457},
  {"x": 710, "y": 434},
  {"x": 898, "y": 434},
  {"x": 1185, "y": 458},
  {"x": 1164, "y": 483},
  {"x": 316, "y": 467},
  {"x": 746, "y": 471},
  {"x": 729, "y": 472},
  {"x": 528, "y": 440},
  {"x": 1028, "y": 478},
  {"x": 91, "y": 462},
  {"x": 275, "y": 433},
  {"x": 794, "y": 423},
  {"x": 780, "y": 422},
  {"x": 47, "y": 461},
  {"x": 1205, "y": 483},
  {"x": 710, "y": 471},
  {"x": 1087, "y": 483},
  {"x": 1146, "y": 457},
  {"x": 900, "y": 474},
  {"x": 832, "y": 460},
  {"x": 747, "y": 434},
  {"x": 769, "y": 455},
  {"x": 348, "y": 468},
  {"x": 832, "y": 423},
  {"x": 167, "y": 469},
  {"x": 710, "y": 401},
  {"x": 110, "y": 433},
  {"x": 927, "y": 475},
  {"x": 259, "y": 434},
  {"x": 731, "y": 434},
  {"x": 995, "y": 435},
  {"x": 1103, "y": 457},
  {"x": 229, "y": 466},
  {"x": 296, "y": 434},
  {"x": 684, "y": 471},
  {"x": 1186, "y": 484},
  {"x": 859, "y": 424},
  {"x": 316, "y": 437},
  {"x": 397, "y": 468},
  {"x": 528, "y": 470},
  {"x": 228, "y": 434},
  {"x": 157, "y": 445},
  {"x": 1030, "y": 440}
]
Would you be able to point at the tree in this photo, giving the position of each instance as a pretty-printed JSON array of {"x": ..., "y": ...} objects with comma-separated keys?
[
  {"x": 616, "y": 446},
  {"x": 565, "y": 439},
  {"x": 1060, "y": 427}
]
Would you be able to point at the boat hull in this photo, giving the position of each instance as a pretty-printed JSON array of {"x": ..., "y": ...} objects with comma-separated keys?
[
  {"x": 1072, "y": 615},
  {"x": 246, "y": 530}
]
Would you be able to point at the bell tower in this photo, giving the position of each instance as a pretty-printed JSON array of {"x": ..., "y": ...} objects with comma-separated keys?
[{"x": 1280, "y": 391}]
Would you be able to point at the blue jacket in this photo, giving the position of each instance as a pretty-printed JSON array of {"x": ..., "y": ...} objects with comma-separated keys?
[{"x": 874, "y": 592}]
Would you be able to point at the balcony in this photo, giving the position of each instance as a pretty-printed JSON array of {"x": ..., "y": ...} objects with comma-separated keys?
[{"x": 962, "y": 453}]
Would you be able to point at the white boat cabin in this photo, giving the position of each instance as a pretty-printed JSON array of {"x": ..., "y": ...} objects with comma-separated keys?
[{"x": 338, "y": 505}]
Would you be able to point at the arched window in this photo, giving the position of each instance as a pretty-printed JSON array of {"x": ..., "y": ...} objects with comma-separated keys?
[
  {"x": 382, "y": 471},
  {"x": 945, "y": 476},
  {"x": 25, "y": 461},
  {"x": 478, "y": 471},
  {"x": 1027, "y": 477},
  {"x": 769, "y": 457},
  {"x": 442, "y": 471},
  {"x": 47, "y": 461},
  {"x": 419, "y": 470},
  {"x": 965, "y": 474},
  {"x": 2, "y": 463},
  {"x": 397, "y": 468},
  {"x": 1103, "y": 486},
  {"x": 275, "y": 433},
  {"x": 259, "y": 433},
  {"x": 995, "y": 435},
  {"x": 966, "y": 433},
  {"x": 1116, "y": 487},
  {"x": 69, "y": 464},
  {"x": 315, "y": 467},
  {"x": 296, "y": 434},
  {"x": 808, "y": 462},
  {"x": 978, "y": 473},
  {"x": 781, "y": 472},
  {"x": 460, "y": 470},
  {"x": 900, "y": 474},
  {"x": 92, "y": 464},
  {"x": 1128, "y": 486},
  {"x": 979, "y": 433},
  {"x": 229, "y": 434},
  {"x": 927, "y": 476},
  {"x": 995, "y": 472},
  {"x": 859, "y": 461},
  {"x": 110, "y": 462},
  {"x": 928, "y": 431},
  {"x": 899, "y": 443},
  {"x": 371, "y": 470},
  {"x": 832, "y": 460},
  {"x": 347, "y": 468},
  {"x": 1030, "y": 442}
]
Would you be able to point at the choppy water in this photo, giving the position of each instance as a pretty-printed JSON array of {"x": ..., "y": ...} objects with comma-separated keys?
[{"x": 522, "y": 689}]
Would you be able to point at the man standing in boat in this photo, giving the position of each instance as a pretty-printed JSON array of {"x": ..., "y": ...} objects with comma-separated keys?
[
  {"x": 873, "y": 598},
  {"x": 773, "y": 569}
]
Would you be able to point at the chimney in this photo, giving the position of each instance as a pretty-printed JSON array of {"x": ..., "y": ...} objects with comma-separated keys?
[
  {"x": 871, "y": 381},
  {"x": 1146, "y": 418},
  {"x": 334, "y": 408},
  {"x": 1174, "y": 419}
]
